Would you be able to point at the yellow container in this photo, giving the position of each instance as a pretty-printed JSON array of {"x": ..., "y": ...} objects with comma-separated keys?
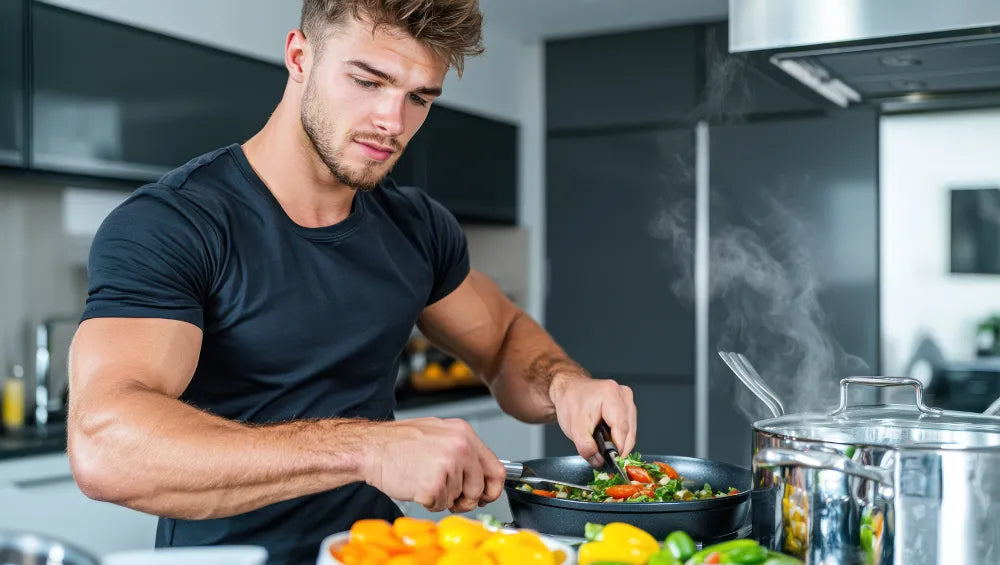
[{"x": 13, "y": 400}]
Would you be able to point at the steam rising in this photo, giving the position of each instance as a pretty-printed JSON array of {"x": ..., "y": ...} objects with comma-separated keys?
[{"x": 764, "y": 285}]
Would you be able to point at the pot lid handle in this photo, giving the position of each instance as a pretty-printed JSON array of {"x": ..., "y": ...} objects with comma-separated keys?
[{"x": 883, "y": 382}]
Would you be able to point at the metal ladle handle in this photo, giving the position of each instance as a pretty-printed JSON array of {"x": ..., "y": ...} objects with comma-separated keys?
[{"x": 884, "y": 382}]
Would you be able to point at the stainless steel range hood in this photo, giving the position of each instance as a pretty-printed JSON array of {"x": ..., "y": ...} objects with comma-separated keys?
[{"x": 898, "y": 54}]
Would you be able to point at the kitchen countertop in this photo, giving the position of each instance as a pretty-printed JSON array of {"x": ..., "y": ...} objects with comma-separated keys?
[
  {"x": 31, "y": 441},
  {"x": 409, "y": 399}
]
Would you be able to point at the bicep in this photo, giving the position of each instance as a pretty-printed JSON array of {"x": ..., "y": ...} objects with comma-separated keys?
[
  {"x": 471, "y": 322},
  {"x": 111, "y": 354}
]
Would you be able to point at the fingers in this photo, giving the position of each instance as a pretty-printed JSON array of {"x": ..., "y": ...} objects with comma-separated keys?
[
  {"x": 472, "y": 488},
  {"x": 630, "y": 438},
  {"x": 617, "y": 414},
  {"x": 587, "y": 447},
  {"x": 452, "y": 489},
  {"x": 494, "y": 475}
]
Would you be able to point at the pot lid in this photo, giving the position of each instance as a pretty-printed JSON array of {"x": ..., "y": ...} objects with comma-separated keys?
[{"x": 892, "y": 425}]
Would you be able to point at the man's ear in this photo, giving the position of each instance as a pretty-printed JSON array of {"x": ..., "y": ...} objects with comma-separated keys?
[{"x": 297, "y": 49}]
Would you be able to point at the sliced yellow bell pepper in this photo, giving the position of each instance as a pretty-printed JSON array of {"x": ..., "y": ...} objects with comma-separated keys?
[
  {"x": 459, "y": 532},
  {"x": 622, "y": 543}
]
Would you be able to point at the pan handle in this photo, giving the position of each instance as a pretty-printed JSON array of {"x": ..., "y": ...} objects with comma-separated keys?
[
  {"x": 883, "y": 382},
  {"x": 779, "y": 457},
  {"x": 514, "y": 469}
]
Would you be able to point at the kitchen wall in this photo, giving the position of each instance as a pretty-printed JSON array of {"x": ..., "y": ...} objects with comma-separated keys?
[
  {"x": 41, "y": 269},
  {"x": 504, "y": 83},
  {"x": 923, "y": 156}
]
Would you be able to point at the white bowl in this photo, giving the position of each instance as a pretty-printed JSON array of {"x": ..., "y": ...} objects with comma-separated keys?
[
  {"x": 217, "y": 555},
  {"x": 339, "y": 539}
]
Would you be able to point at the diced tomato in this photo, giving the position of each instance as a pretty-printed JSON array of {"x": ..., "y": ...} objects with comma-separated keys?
[
  {"x": 667, "y": 470},
  {"x": 733, "y": 491},
  {"x": 545, "y": 493},
  {"x": 649, "y": 492},
  {"x": 714, "y": 557},
  {"x": 623, "y": 491},
  {"x": 638, "y": 474}
]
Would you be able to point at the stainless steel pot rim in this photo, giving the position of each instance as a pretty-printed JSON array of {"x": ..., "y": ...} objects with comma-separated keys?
[
  {"x": 894, "y": 416},
  {"x": 922, "y": 447}
]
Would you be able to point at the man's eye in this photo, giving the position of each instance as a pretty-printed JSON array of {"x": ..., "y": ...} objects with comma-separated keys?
[
  {"x": 365, "y": 83},
  {"x": 417, "y": 100}
]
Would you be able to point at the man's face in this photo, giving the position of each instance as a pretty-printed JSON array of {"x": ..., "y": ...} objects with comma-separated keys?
[{"x": 365, "y": 96}]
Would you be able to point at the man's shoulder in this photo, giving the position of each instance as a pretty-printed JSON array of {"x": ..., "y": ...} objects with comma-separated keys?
[{"x": 212, "y": 169}]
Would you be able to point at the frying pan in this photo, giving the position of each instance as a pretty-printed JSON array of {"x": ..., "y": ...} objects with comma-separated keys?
[{"x": 703, "y": 520}]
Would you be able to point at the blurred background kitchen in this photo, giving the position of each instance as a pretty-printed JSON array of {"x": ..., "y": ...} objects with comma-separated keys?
[{"x": 648, "y": 196}]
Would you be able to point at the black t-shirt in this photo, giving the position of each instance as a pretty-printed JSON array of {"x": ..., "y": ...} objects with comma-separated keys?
[{"x": 297, "y": 322}]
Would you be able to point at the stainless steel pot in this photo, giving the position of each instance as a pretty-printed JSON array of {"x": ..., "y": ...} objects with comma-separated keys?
[
  {"x": 22, "y": 548},
  {"x": 879, "y": 485}
]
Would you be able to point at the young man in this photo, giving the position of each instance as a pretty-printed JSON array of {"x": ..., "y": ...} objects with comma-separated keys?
[{"x": 234, "y": 370}]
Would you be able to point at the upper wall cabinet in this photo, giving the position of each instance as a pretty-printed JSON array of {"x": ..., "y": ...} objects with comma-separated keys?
[
  {"x": 12, "y": 82},
  {"x": 623, "y": 79},
  {"x": 116, "y": 101},
  {"x": 466, "y": 162}
]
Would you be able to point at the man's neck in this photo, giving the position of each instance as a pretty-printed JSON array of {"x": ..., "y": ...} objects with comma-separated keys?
[{"x": 285, "y": 160}]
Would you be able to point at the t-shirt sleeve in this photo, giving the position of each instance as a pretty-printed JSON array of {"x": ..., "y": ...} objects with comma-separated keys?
[
  {"x": 449, "y": 249},
  {"x": 150, "y": 259}
]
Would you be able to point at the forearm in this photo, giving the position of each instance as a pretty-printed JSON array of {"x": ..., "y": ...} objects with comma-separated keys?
[
  {"x": 528, "y": 369},
  {"x": 153, "y": 453}
]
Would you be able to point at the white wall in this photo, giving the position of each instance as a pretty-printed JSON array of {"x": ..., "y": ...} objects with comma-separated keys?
[
  {"x": 922, "y": 157},
  {"x": 506, "y": 83}
]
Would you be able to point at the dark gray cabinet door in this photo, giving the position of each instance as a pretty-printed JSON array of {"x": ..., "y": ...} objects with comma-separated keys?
[
  {"x": 112, "y": 100},
  {"x": 621, "y": 79},
  {"x": 466, "y": 162},
  {"x": 808, "y": 189},
  {"x": 610, "y": 301},
  {"x": 11, "y": 82},
  {"x": 665, "y": 416}
]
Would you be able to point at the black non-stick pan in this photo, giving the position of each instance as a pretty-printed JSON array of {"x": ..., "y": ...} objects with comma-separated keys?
[{"x": 703, "y": 520}]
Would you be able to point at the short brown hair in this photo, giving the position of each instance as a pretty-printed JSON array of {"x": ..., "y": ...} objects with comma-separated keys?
[{"x": 451, "y": 28}]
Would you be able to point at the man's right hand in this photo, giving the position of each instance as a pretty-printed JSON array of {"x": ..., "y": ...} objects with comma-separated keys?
[{"x": 441, "y": 464}]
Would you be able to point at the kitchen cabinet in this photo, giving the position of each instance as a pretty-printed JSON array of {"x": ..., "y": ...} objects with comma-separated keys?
[
  {"x": 466, "y": 162},
  {"x": 12, "y": 89},
  {"x": 116, "y": 101},
  {"x": 39, "y": 495},
  {"x": 665, "y": 418},
  {"x": 641, "y": 77},
  {"x": 611, "y": 302},
  {"x": 809, "y": 187}
]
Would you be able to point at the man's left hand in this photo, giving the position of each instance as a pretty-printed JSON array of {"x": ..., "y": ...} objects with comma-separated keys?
[{"x": 581, "y": 402}]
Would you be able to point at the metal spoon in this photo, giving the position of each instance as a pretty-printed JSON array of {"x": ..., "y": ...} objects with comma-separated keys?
[
  {"x": 749, "y": 376},
  {"x": 519, "y": 472}
]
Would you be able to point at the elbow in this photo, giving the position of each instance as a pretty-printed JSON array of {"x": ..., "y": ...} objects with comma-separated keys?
[{"x": 90, "y": 465}]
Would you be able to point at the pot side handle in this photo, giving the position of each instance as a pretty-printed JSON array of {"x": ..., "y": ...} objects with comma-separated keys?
[{"x": 771, "y": 457}]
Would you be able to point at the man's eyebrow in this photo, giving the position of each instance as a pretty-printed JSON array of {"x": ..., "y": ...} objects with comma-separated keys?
[
  {"x": 372, "y": 70},
  {"x": 425, "y": 90},
  {"x": 428, "y": 90}
]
